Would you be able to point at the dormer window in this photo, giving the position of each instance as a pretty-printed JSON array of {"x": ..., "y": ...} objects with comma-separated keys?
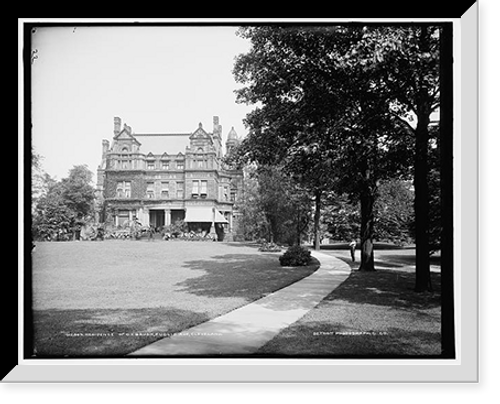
[{"x": 151, "y": 165}]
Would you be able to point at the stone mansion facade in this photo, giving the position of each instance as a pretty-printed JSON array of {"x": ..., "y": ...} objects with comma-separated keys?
[{"x": 161, "y": 178}]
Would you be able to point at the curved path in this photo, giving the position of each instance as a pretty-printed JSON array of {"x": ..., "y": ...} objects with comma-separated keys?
[{"x": 244, "y": 330}]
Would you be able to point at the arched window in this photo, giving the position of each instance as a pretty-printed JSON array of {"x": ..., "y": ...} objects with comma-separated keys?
[{"x": 125, "y": 149}]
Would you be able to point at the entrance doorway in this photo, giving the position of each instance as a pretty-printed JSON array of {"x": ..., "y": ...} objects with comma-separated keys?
[{"x": 157, "y": 218}]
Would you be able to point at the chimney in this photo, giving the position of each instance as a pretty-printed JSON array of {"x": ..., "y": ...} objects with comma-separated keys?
[
  {"x": 217, "y": 127},
  {"x": 105, "y": 147},
  {"x": 118, "y": 125}
]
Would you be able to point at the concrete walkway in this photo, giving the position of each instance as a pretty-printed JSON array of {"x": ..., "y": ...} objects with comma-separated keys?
[{"x": 244, "y": 330}]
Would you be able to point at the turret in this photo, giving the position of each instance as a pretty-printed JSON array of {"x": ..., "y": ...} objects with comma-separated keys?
[{"x": 232, "y": 140}]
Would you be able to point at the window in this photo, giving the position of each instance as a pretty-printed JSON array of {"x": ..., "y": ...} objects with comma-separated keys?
[
  {"x": 165, "y": 165},
  {"x": 233, "y": 196},
  {"x": 122, "y": 217},
  {"x": 126, "y": 185},
  {"x": 203, "y": 189},
  {"x": 151, "y": 165},
  {"x": 180, "y": 165},
  {"x": 200, "y": 164},
  {"x": 225, "y": 194},
  {"x": 180, "y": 190},
  {"x": 196, "y": 190},
  {"x": 123, "y": 189},
  {"x": 164, "y": 190},
  {"x": 125, "y": 149},
  {"x": 150, "y": 190}
]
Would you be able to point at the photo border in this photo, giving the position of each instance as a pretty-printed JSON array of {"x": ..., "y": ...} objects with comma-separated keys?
[{"x": 228, "y": 369}]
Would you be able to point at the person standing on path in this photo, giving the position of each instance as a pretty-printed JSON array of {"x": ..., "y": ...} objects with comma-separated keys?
[{"x": 352, "y": 248}]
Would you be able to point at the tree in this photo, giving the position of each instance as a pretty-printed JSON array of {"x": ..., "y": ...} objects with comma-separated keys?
[
  {"x": 279, "y": 209},
  {"x": 38, "y": 178},
  {"x": 310, "y": 167},
  {"x": 78, "y": 192},
  {"x": 394, "y": 215},
  {"x": 63, "y": 205},
  {"x": 341, "y": 217},
  {"x": 409, "y": 57},
  {"x": 53, "y": 219},
  {"x": 315, "y": 101}
]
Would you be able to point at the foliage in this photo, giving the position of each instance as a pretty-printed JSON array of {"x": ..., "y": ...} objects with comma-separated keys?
[
  {"x": 394, "y": 215},
  {"x": 324, "y": 114},
  {"x": 296, "y": 256},
  {"x": 53, "y": 219},
  {"x": 63, "y": 206},
  {"x": 177, "y": 229},
  {"x": 38, "y": 178},
  {"x": 77, "y": 191},
  {"x": 341, "y": 217},
  {"x": 274, "y": 206}
]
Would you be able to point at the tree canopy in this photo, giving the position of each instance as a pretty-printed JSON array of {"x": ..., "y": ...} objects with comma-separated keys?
[
  {"x": 343, "y": 108},
  {"x": 63, "y": 205}
]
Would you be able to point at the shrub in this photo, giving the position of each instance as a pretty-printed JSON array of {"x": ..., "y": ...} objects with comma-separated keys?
[
  {"x": 269, "y": 247},
  {"x": 295, "y": 256}
]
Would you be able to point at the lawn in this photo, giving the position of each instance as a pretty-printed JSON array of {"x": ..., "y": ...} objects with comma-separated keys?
[
  {"x": 371, "y": 314},
  {"x": 110, "y": 298}
]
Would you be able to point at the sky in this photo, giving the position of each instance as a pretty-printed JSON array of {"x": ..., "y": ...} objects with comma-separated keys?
[{"x": 157, "y": 79}]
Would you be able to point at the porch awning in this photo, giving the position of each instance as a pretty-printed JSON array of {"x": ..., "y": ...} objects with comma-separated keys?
[{"x": 201, "y": 214}]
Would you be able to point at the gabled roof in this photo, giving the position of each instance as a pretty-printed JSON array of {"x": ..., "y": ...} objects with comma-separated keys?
[
  {"x": 125, "y": 135},
  {"x": 200, "y": 133}
]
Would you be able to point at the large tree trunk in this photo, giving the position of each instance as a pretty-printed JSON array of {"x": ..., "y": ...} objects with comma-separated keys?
[
  {"x": 367, "y": 220},
  {"x": 317, "y": 217}
]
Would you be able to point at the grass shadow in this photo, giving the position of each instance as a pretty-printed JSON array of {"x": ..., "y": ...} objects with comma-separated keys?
[
  {"x": 387, "y": 288},
  {"x": 250, "y": 276},
  {"x": 105, "y": 332},
  {"x": 335, "y": 340}
]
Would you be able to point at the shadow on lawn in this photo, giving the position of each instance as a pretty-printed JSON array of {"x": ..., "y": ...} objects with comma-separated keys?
[
  {"x": 105, "y": 332},
  {"x": 250, "y": 276},
  {"x": 333, "y": 340},
  {"x": 387, "y": 288}
]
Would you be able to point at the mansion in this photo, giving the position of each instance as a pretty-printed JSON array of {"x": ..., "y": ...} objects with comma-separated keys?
[{"x": 159, "y": 179}]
